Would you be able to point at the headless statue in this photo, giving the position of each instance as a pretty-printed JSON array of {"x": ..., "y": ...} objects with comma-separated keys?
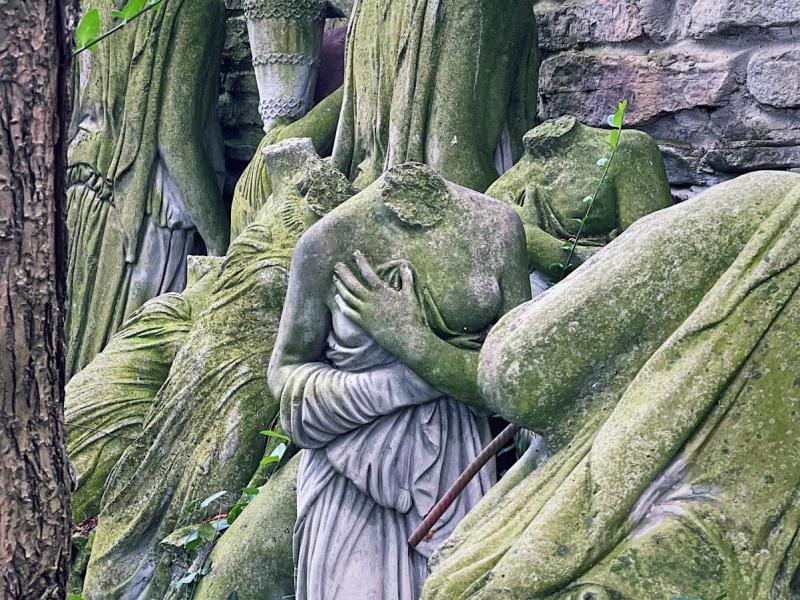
[
  {"x": 289, "y": 63},
  {"x": 201, "y": 433},
  {"x": 548, "y": 185},
  {"x": 663, "y": 374},
  {"x": 141, "y": 179},
  {"x": 449, "y": 83},
  {"x": 376, "y": 374}
]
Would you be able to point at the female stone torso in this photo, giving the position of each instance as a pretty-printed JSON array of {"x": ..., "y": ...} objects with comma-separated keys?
[
  {"x": 437, "y": 81},
  {"x": 383, "y": 421},
  {"x": 549, "y": 184}
]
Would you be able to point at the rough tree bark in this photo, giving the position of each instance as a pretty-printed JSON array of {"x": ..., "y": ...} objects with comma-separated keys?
[{"x": 34, "y": 474}]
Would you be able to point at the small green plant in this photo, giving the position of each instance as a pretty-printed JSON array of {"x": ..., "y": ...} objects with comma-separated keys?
[
  {"x": 277, "y": 454},
  {"x": 87, "y": 34},
  {"x": 616, "y": 121}
]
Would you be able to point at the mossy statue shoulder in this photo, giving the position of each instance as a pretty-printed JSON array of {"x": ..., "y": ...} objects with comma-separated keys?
[{"x": 661, "y": 373}]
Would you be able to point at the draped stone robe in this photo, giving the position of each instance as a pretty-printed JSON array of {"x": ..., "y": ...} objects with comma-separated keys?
[
  {"x": 130, "y": 228},
  {"x": 382, "y": 447},
  {"x": 450, "y": 83}
]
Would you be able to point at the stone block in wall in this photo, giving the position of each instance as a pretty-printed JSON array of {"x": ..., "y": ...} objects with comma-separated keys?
[
  {"x": 773, "y": 77},
  {"x": 240, "y": 83},
  {"x": 681, "y": 163},
  {"x": 233, "y": 5},
  {"x": 672, "y": 20},
  {"x": 567, "y": 24},
  {"x": 585, "y": 84},
  {"x": 752, "y": 157},
  {"x": 236, "y": 51},
  {"x": 712, "y": 17}
]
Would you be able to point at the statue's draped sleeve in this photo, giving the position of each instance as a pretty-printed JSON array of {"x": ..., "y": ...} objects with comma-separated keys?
[{"x": 320, "y": 403}]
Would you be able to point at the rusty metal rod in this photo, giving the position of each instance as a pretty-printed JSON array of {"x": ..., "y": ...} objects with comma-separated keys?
[{"x": 455, "y": 490}]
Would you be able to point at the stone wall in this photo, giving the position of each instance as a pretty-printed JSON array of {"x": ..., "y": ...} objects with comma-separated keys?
[{"x": 716, "y": 82}]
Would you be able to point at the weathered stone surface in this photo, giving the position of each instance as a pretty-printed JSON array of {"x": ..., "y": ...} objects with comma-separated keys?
[
  {"x": 752, "y": 158},
  {"x": 681, "y": 166},
  {"x": 107, "y": 402},
  {"x": 236, "y": 53},
  {"x": 774, "y": 78},
  {"x": 441, "y": 90},
  {"x": 736, "y": 81},
  {"x": 254, "y": 558},
  {"x": 565, "y": 24},
  {"x": 586, "y": 83},
  {"x": 661, "y": 374},
  {"x": 559, "y": 169},
  {"x": 707, "y": 17},
  {"x": 135, "y": 207},
  {"x": 201, "y": 434}
]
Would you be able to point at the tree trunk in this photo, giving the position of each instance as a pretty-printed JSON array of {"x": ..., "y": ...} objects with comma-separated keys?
[{"x": 34, "y": 470}]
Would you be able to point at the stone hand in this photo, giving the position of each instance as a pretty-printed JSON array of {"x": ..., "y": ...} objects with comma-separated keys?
[{"x": 391, "y": 316}]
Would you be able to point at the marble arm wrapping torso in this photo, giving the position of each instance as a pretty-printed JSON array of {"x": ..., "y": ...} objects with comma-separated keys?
[{"x": 322, "y": 401}]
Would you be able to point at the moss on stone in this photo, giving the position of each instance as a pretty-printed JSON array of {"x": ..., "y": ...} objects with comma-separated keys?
[
  {"x": 202, "y": 433},
  {"x": 107, "y": 402},
  {"x": 439, "y": 83},
  {"x": 254, "y": 187},
  {"x": 559, "y": 169},
  {"x": 254, "y": 558},
  {"x": 661, "y": 374}
]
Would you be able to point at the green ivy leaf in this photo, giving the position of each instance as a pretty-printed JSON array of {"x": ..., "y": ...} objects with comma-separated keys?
[
  {"x": 250, "y": 491},
  {"x": 212, "y": 497},
  {"x": 193, "y": 535},
  {"x": 191, "y": 541},
  {"x": 130, "y": 10},
  {"x": 269, "y": 460},
  {"x": 618, "y": 118},
  {"x": 234, "y": 511},
  {"x": 568, "y": 246},
  {"x": 275, "y": 434},
  {"x": 613, "y": 138},
  {"x": 88, "y": 28},
  {"x": 74, "y": 597}
]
